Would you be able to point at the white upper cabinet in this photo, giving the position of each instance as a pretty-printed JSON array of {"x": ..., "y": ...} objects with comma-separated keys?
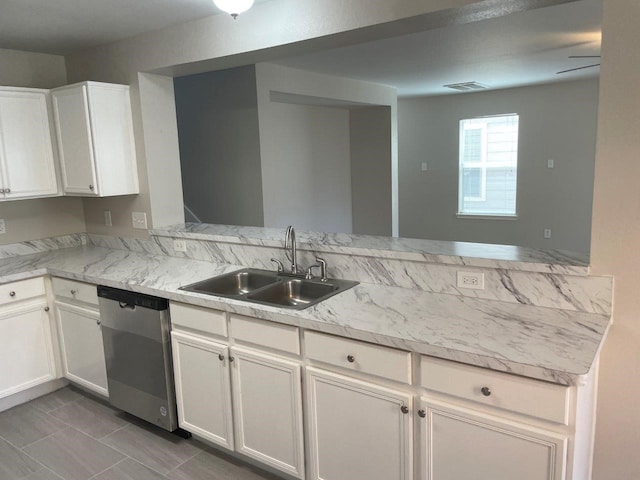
[
  {"x": 95, "y": 139},
  {"x": 27, "y": 161}
]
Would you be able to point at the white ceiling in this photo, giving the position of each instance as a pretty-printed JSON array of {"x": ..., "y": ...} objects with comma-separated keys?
[
  {"x": 520, "y": 49},
  {"x": 66, "y": 26}
]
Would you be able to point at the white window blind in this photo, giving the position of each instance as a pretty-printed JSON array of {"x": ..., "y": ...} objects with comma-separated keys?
[{"x": 488, "y": 165}]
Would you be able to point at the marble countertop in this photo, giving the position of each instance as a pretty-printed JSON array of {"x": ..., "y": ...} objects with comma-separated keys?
[
  {"x": 433, "y": 251},
  {"x": 554, "y": 345}
]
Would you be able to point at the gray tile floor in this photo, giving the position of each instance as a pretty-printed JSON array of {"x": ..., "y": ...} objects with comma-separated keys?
[{"x": 68, "y": 435}]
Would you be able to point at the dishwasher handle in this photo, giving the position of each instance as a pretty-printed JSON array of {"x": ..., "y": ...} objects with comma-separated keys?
[{"x": 127, "y": 305}]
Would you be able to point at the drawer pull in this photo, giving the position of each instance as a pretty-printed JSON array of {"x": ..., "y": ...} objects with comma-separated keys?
[
  {"x": 422, "y": 413},
  {"x": 351, "y": 358},
  {"x": 486, "y": 391},
  {"x": 12, "y": 294},
  {"x": 221, "y": 357},
  {"x": 404, "y": 409},
  {"x": 73, "y": 291}
]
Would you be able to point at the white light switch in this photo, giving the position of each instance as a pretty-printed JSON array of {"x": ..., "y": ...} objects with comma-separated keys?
[
  {"x": 424, "y": 166},
  {"x": 551, "y": 163},
  {"x": 139, "y": 220},
  {"x": 2, "y": 226},
  {"x": 547, "y": 233}
]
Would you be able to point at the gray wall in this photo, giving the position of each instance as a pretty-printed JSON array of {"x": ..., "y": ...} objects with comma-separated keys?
[
  {"x": 370, "y": 134},
  {"x": 220, "y": 146},
  {"x": 557, "y": 122},
  {"x": 306, "y": 174},
  {"x": 47, "y": 217}
]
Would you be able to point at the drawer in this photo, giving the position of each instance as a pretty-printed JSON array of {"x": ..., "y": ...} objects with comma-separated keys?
[
  {"x": 23, "y": 290},
  {"x": 502, "y": 390},
  {"x": 206, "y": 320},
  {"x": 265, "y": 333},
  {"x": 64, "y": 289},
  {"x": 359, "y": 356}
]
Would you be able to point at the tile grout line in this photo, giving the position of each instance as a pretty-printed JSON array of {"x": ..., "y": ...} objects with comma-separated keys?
[
  {"x": 112, "y": 466},
  {"x": 187, "y": 460}
]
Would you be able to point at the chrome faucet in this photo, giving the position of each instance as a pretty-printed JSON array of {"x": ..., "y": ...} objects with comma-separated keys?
[{"x": 290, "y": 248}]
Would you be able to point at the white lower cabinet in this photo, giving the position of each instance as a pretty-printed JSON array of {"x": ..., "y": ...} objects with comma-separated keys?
[
  {"x": 80, "y": 334},
  {"x": 26, "y": 347},
  {"x": 203, "y": 388},
  {"x": 458, "y": 443},
  {"x": 267, "y": 401},
  {"x": 27, "y": 354},
  {"x": 357, "y": 430},
  {"x": 81, "y": 346}
]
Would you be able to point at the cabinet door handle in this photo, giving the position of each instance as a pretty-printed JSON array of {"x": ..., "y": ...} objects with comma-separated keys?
[
  {"x": 46, "y": 309},
  {"x": 98, "y": 322},
  {"x": 351, "y": 358},
  {"x": 7, "y": 190},
  {"x": 486, "y": 391},
  {"x": 231, "y": 359},
  {"x": 221, "y": 357},
  {"x": 12, "y": 294},
  {"x": 90, "y": 187},
  {"x": 73, "y": 291},
  {"x": 1, "y": 190},
  {"x": 404, "y": 409},
  {"x": 422, "y": 413}
]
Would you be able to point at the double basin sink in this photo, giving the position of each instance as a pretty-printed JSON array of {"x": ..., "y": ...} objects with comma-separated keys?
[{"x": 276, "y": 289}]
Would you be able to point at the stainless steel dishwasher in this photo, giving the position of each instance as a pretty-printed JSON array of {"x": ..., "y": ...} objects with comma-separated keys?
[{"x": 137, "y": 348}]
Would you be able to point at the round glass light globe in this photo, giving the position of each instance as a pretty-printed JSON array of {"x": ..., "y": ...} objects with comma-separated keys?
[{"x": 233, "y": 7}]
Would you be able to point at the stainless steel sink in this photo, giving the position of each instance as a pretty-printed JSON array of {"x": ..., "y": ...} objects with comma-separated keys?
[
  {"x": 270, "y": 288},
  {"x": 234, "y": 284},
  {"x": 295, "y": 293}
]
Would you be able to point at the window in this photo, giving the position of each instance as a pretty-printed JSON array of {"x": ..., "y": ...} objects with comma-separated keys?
[{"x": 488, "y": 166}]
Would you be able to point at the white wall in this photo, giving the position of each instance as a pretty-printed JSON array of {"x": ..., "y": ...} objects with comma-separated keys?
[
  {"x": 220, "y": 146},
  {"x": 557, "y": 121},
  {"x": 294, "y": 137},
  {"x": 615, "y": 239},
  {"x": 371, "y": 189},
  {"x": 34, "y": 219}
]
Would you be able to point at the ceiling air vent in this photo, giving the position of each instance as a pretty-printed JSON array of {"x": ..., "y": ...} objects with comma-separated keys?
[{"x": 466, "y": 86}]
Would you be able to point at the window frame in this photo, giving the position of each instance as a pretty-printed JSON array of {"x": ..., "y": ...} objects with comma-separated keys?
[{"x": 483, "y": 165}]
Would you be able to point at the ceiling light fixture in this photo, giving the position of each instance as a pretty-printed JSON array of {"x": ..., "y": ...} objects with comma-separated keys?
[{"x": 233, "y": 7}]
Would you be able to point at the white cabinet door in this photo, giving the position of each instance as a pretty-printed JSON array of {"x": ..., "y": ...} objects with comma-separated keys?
[
  {"x": 95, "y": 139},
  {"x": 26, "y": 348},
  {"x": 464, "y": 445},
  {"x": 267, "y": 401},
  {"x": 357, "y": 430},
  {"x": 82, "y": 348},
  {"x": 75, "y": 146},
  {"x": 203, "y": 388},
  {"x": 26, "y": 150}
]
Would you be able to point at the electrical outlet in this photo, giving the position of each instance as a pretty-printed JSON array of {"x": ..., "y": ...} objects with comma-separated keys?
[
  {"x": 107, "y": 218},
  {"x": 551, "y": 163},
  {"x": 3, "y": 229},
  {"x": 424, "y": 166},
  {"x": 180, "y": 245},
  {"x": 472, "y": 280},
  {"x": 139, "y": 220},
  {"x": 547, "y": 233}
]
